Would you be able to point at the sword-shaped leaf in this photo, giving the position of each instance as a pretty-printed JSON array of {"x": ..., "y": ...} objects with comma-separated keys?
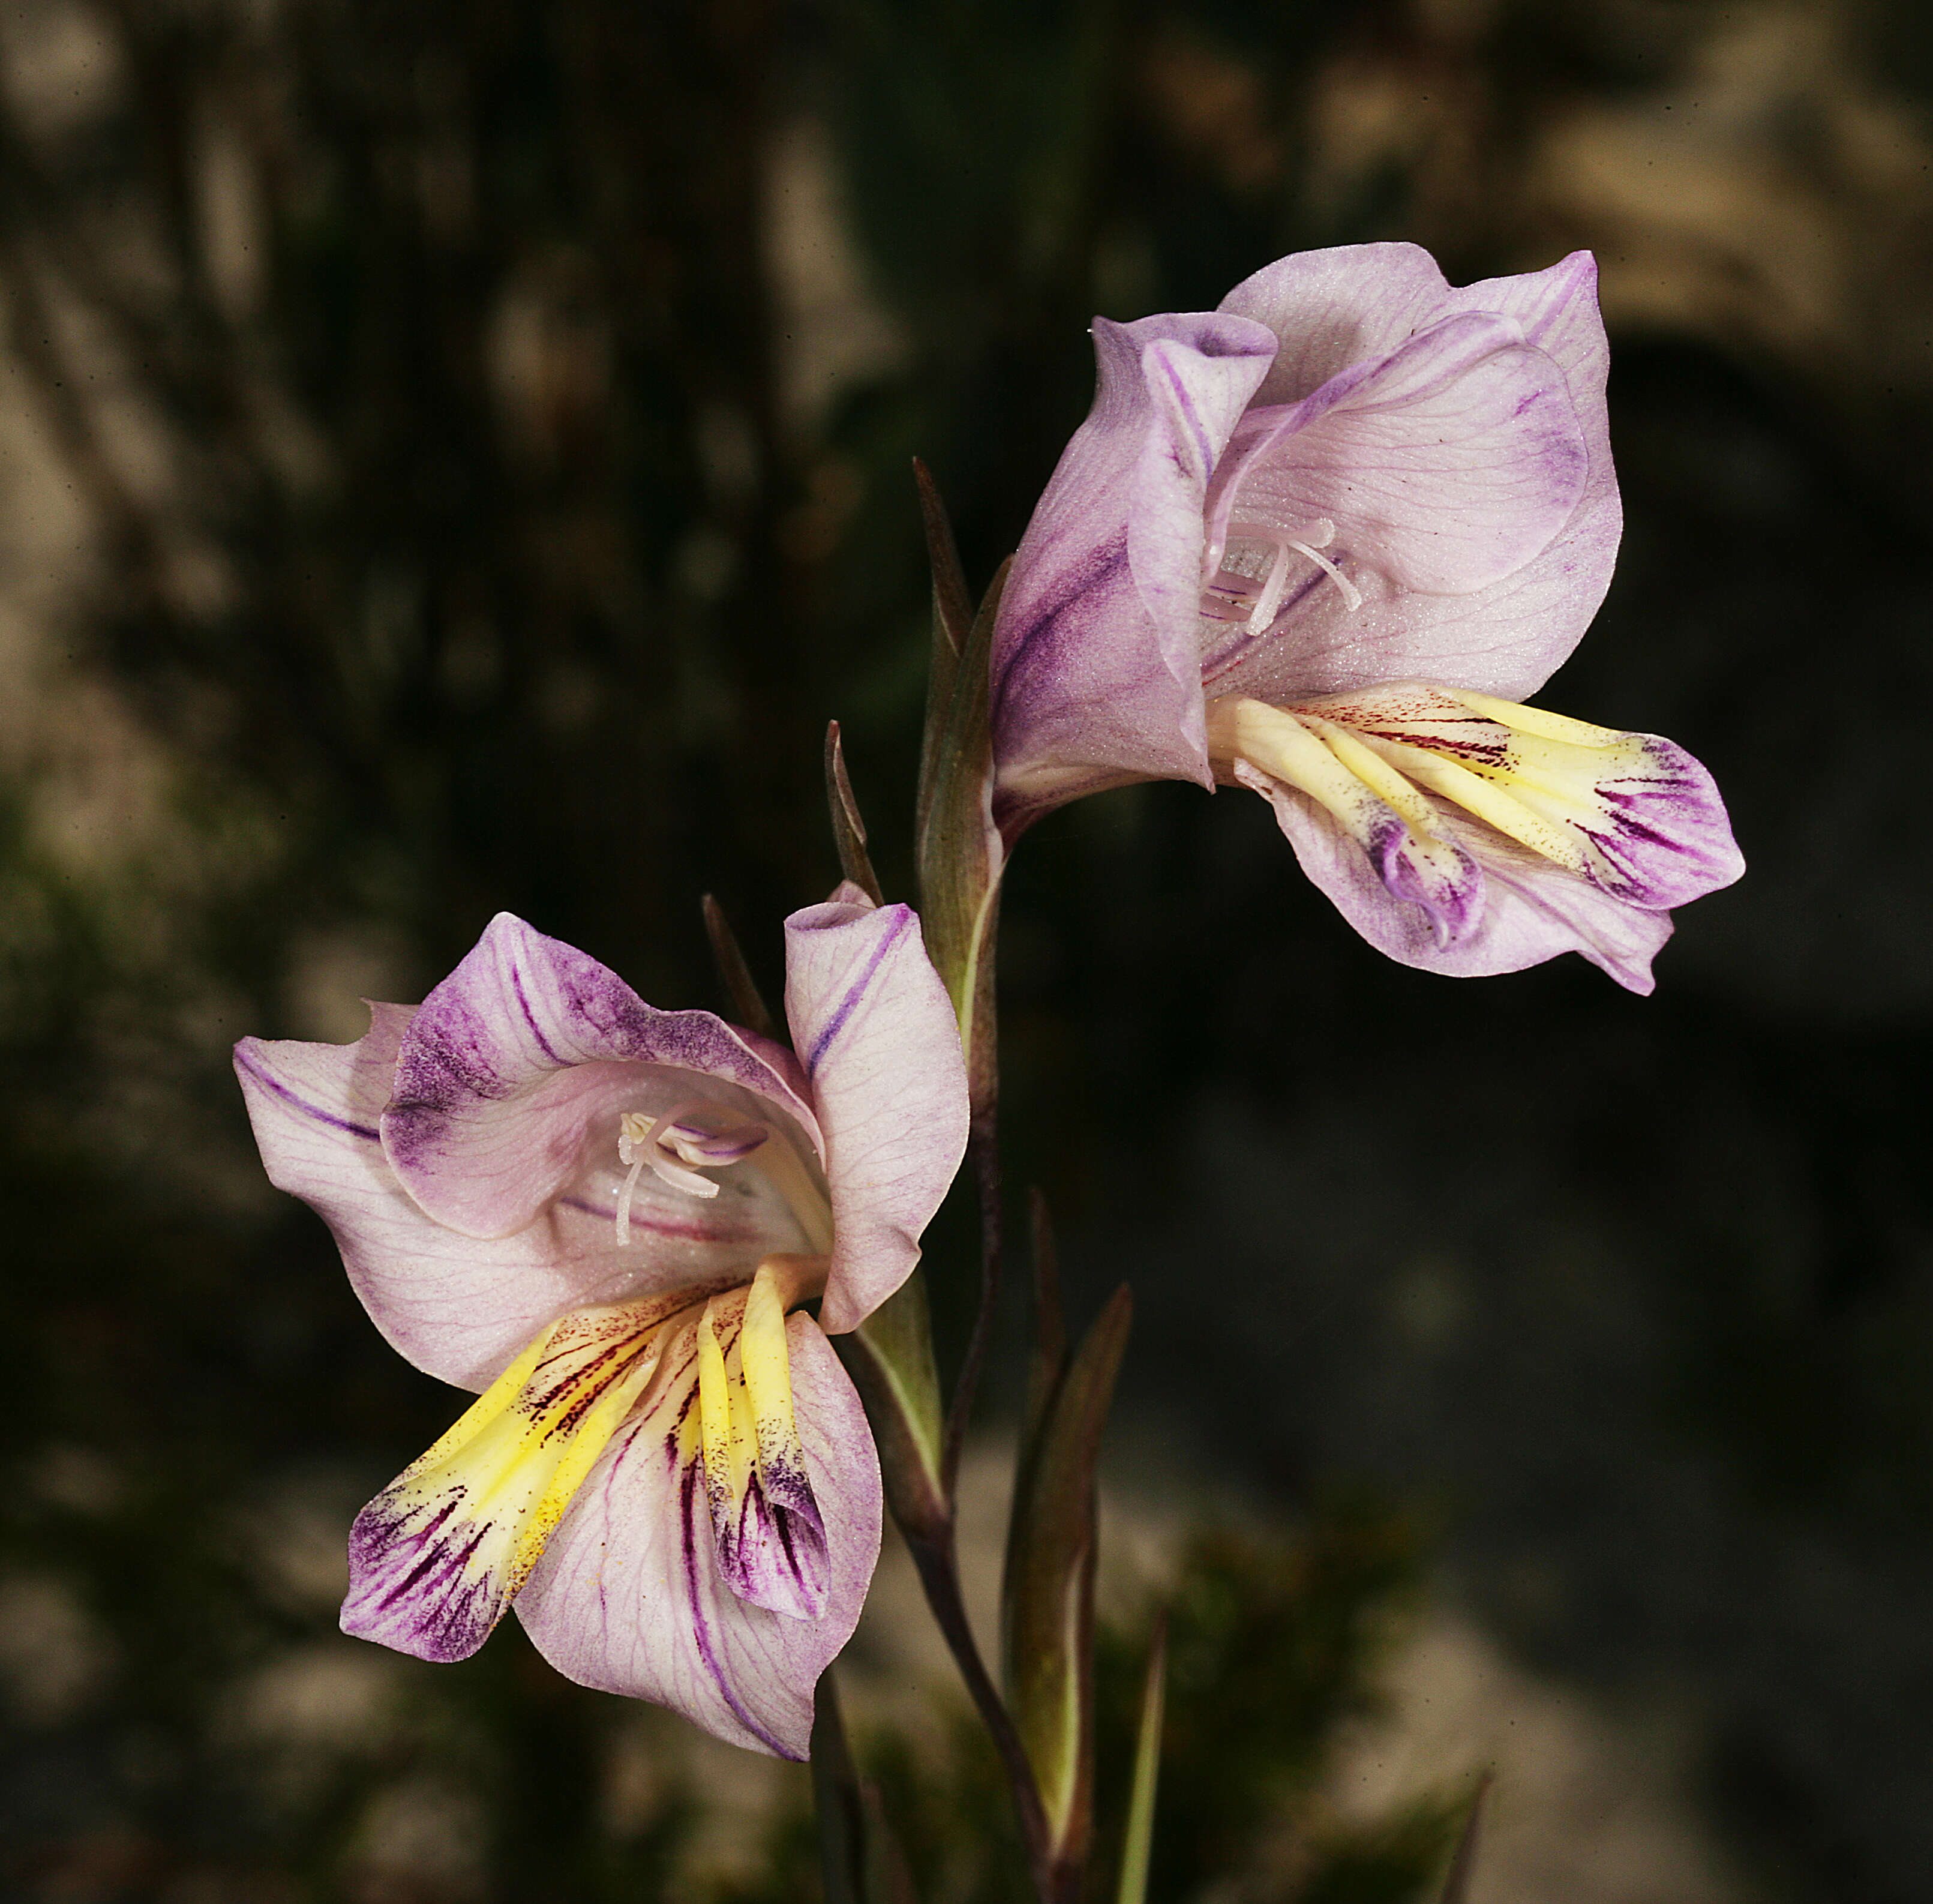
[
  {"x": 848, "y": 830},
  {"x": 1048, "y": 1589}
]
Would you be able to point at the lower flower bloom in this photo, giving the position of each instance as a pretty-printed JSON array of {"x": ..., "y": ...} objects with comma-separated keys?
[{"x": 607, "y": 1219}]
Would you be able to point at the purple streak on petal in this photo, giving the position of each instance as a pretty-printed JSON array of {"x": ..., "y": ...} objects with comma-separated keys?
[
  {"x": 855, "y": 990},
  {"x": 1097, "y": 574},
  {"x": 246, "y": 1062},
  {"x": 1667, "y": 840},
  {"x": 628, "y": 1598},
  {"x": 1095, "y": 669},
  {"x": 530, "y": 1019},
  {"x": 690, "y": 1509},
  {"x": 771, "y": 1545},
  {"x": 413, "y": 1585},
  {"x": 1174, "y": 383}
]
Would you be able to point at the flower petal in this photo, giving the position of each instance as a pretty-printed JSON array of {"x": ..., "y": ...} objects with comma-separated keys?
[
  {"x": 1531, "y": 910},
  {"x": 511, "y": 1061},
  {"x": 1347, "y": 305},
  {"x": 436, "y": 1557},
  {"x": 1633, "y": 813},
  {"x": 457, "y": 1307},
  {"x": 1445, "y": 466},
  {"x": 628, "y": 1597},
  {"x": 1095, "y": 666},
  {"x": 1505, "y": 638},
  {"x": 770, "y": 1535},
  {"x": 876, "y": 1031}
]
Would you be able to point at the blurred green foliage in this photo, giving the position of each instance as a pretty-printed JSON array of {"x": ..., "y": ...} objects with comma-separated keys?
[{"x": 1274, "y": 1642}]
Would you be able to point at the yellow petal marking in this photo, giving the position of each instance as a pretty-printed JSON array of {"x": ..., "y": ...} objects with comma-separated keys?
[
  {"x": 744, "y": 1376},
  {"x": 1376, "y": 774},
  {"x": 1278, "y": 743},
  {"x": 766, "y": 1358},
  {"x": 519, "y": 1452},
  {"x": 724, "y": 1410},
  {"x": 1521, "y": 720},
  {"x": 1477, "y": 793}
]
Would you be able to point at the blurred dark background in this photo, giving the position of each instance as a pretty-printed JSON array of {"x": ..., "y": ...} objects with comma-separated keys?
[{"x": 454, "y": 456}]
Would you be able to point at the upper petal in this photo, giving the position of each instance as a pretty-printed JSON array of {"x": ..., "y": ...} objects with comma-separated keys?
[
  {"x": 510, "y": 1061},
  {"x": 628, "y": 1597},
  {"x": 876, "y": 1030},
  {"x": 1445, "y": 466},
  {"x": 456, "y": 1306},
  {"x": 1337, "y": 307},
  {"x": 1096, "y": 676},
  {"x": 1507, "y": 637}
]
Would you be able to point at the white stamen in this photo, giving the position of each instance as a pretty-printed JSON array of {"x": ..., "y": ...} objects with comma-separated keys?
[
  {"x": 1224, "y": 595},
  {"x": 1275, "y": 585},
  {"x": 636, "y": 1161},
  {"x": 1352, "y": 596},
  {"x": 660, "y": 1144},
  {"x": 666, "y": 1171}
]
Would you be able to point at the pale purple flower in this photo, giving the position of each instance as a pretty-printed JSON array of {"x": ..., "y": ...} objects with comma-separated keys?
[
  {"x": 605, "y": 1217},
  {"x": 1321, "y": 543}
]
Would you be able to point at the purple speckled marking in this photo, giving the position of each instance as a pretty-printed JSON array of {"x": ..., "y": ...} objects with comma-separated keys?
[
  {"x": 427, "y": 1608},
  {"x": 837, "y": 1023},
  {"x": 530, "y": 1017},
  {"x": 797, "y": 1580},
  {"x": 302, "y": 1104}
]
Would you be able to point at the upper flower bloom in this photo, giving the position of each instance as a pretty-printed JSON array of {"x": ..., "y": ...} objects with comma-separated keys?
[
  {"x": 601, "y": 1215},
  {"x": 1321, "y": 542}
]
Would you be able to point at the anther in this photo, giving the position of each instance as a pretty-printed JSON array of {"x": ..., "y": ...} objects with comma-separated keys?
[
  {"x": 1230, "y": 596},
  {"x": 670, "y": 1146}
]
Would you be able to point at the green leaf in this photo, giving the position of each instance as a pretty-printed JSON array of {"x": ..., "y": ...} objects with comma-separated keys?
[
  {"x": 961, "y": 857},
  {"x": 848, "y": 830},
  {"x": 1138, "y": 1839},
  {"x": 1048, "y": 1589},
  {"x": 952, "y": 625},
  {"x": 890, "y": 1358}
]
